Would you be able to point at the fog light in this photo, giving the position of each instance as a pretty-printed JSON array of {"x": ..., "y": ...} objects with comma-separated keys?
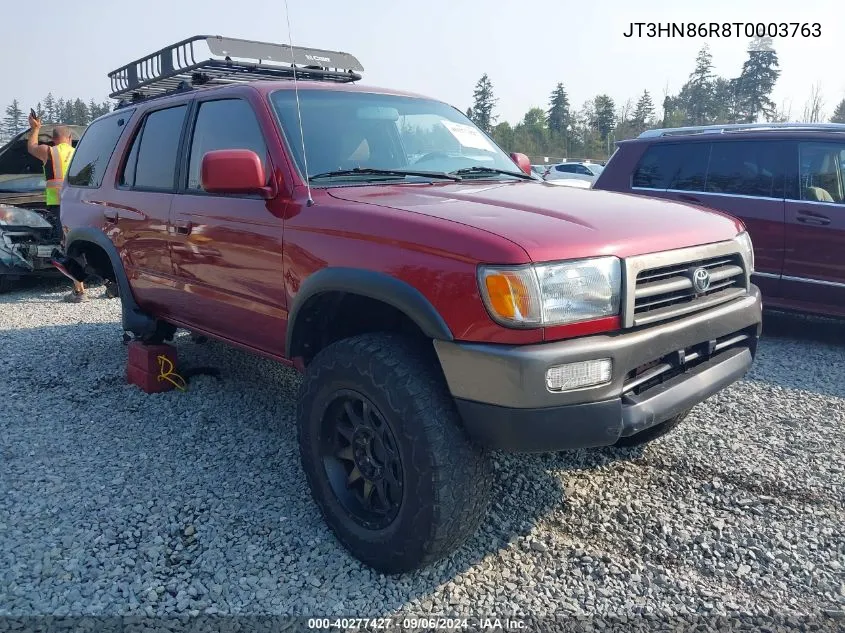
[{"x": 587, "y": 373}]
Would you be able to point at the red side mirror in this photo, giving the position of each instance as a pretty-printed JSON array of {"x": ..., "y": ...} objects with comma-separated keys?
[
  {"x": 522, "y": 161},
  {"x": 233, "y": 171}
]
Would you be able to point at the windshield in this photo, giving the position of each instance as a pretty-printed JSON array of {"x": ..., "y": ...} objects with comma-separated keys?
[{"x": 348, "y": 130}]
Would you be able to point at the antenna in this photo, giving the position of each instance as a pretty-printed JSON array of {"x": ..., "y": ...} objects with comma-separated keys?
[{"x": 298, "y": 109}]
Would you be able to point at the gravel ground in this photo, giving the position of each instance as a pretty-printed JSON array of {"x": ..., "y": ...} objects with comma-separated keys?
[{"x": 117, "y": 502}]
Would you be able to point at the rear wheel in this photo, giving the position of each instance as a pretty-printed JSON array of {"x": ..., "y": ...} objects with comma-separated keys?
[
  {"x": 388, "y": 463},
  {"x": 651, "y": 434}
]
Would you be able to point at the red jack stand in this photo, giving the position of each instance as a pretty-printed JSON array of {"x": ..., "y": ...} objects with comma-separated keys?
[{"x": 143, "y": 367}]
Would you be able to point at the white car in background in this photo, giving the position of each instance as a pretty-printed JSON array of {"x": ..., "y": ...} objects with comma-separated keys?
[
  {"x": 578, "y": 183},
  {"x": 574, "y": 171}
]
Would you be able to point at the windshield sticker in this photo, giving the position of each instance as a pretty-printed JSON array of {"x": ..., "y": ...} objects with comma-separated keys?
[{"x": 468, "y": 136}]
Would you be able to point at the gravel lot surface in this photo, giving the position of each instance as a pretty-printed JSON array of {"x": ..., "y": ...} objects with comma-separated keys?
[{"x": 118, "y": 502}]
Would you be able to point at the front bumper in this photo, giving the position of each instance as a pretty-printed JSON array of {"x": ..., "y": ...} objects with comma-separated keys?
[{"x": 502, "y": 396}]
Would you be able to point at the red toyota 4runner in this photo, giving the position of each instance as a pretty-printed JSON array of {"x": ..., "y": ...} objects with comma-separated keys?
[{"x": 440, "y": 301}]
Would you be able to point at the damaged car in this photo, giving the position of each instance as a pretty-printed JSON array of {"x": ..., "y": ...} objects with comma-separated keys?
[{"x": 29, "y": 232}]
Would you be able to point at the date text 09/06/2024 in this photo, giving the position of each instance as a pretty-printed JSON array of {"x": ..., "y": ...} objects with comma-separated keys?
[{"x": 723, "y": 29}]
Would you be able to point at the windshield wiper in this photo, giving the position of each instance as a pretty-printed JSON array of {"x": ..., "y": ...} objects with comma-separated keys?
[
  {"x": 364, "y": 171},
  {"x": 479, "y": 169}
]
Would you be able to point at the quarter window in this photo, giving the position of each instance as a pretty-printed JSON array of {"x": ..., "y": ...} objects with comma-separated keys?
[
  {"x": 224, "y": 124},
  {"x": 89, "y": 162},
  {"x": 681, "y": 166}
]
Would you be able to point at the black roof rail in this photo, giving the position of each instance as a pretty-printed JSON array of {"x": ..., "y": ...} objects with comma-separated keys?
[
  {"x": 742, "y": 127},
  {"x": 185, "y": 66}
]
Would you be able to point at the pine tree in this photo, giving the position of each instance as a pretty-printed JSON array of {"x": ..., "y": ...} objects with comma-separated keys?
[
  {"x": 80, "y": 113},
  {"x": 643, "y": 113},
  {"x": 58, "y": 115},
  {"x": 558, "y": 114},
  {"x": 724, "y": 108},
  {"x": 755, "y": 84},
  {"x": 483, "y": 104},
  {"x": 604, "y": 118},
  {"x": 698, "y": 91},
  {"x": 13, "y": 123},
  {"x": 93, "y": 110},
  {"x": 839, "y": 113},
  {"x": 49, "y": 108}
]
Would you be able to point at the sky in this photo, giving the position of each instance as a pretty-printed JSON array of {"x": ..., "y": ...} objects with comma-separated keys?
[{"x": 438, "y": 48}]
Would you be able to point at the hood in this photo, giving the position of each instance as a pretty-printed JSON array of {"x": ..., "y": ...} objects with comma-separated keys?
[
  {"x": 552, "y": 222},
  {"x": 22, "y": 174}
]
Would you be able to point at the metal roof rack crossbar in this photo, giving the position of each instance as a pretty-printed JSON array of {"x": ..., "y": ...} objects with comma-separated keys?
[
  {"x": 181, "y": 66},
  {"x": 740, "y": 127}
]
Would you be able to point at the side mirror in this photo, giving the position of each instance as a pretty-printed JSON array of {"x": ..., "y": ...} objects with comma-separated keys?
[
  {"x": 237, "y": 171},
  {"x": 522, "y": 161}
]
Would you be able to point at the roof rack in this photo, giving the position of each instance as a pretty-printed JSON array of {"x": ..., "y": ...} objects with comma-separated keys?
[
  {"x": 182, "y": 66},
  {"x": 741, "y": 127}
]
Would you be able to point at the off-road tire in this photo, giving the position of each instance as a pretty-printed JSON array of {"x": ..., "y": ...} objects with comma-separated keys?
[
  {"x": 651, "y": 434},
  {"x": 447, "y": 478}
]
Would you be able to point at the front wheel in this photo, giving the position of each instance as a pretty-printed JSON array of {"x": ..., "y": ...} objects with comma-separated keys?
[{"x": 388, "y": 463}]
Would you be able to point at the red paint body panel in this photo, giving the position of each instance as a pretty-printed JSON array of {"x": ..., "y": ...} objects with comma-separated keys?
[{"x": 554, "y": 223}]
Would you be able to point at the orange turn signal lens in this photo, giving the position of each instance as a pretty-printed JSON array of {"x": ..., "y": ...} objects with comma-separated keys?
[{"x": 512, "y": 295}]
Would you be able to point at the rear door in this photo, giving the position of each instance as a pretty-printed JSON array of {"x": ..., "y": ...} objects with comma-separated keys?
[
  {"x": 147, "y": 180},
  {"x": 814, "y": 268},
  {"x": 227, "y": 249},
  {"x": 743, "y": 178}
]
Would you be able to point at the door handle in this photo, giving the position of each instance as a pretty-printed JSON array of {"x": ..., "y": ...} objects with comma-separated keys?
[
  {"x": 110, "y": 215},
  {"x": 808, "y": 218},
  {"x": 183, "y": 227}
]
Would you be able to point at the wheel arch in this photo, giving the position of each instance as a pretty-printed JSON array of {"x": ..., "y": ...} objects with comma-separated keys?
[
  {"x": 373, "y": 286},
  {"x": 79, "y": 241}
]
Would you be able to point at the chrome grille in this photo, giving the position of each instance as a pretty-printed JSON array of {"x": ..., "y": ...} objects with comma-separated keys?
[{"x": 666, "y": 292}]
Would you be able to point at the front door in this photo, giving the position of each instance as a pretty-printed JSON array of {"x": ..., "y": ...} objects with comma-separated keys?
[
  {"x": 226, "y": 249},
  {"x": 814, "y": 267}
]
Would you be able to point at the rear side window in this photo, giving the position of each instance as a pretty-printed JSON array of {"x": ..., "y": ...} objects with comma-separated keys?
[
  {"x": 747, "y": 168},
  {"x": 152, "y": 160},
  {"x": 224, "y": 124},
  {"x": 681, "y": 166},
  {"x": 94, "y": 150}
]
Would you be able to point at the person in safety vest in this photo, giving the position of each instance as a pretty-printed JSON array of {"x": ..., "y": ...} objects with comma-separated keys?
[{"x": 56, "y": 158}]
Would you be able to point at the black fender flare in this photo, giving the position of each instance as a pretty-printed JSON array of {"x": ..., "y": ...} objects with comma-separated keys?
[
  {"x": 373, "y": 285},
  {"x": 135, "y": 320}
]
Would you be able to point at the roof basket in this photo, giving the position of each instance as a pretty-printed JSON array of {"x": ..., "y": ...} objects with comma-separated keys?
[
  {"x": 742, "y": 127},
  {"x": 212, "y": 60}
]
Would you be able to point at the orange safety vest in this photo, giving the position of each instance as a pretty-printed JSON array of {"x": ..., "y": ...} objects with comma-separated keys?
[{"x": 60, "y": 156}]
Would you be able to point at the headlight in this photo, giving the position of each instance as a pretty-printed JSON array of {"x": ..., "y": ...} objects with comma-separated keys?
[
  {"x": 744, "y": 241},
  {"x": 552, "y": 294},
  {"x": 15, "y": 216}
]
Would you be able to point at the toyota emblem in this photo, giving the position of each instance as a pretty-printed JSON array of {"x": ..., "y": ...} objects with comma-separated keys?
[{"x": 701, "y": 280}]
